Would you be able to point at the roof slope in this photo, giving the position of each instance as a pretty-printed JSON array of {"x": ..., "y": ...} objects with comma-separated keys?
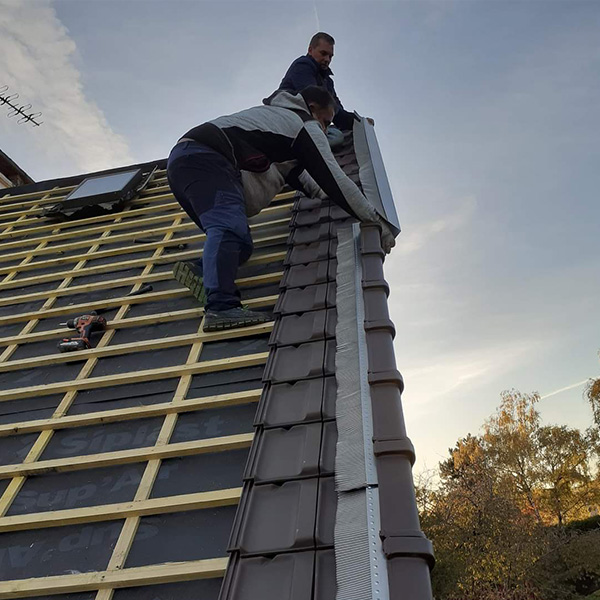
[{"x": 131, "y": 469}]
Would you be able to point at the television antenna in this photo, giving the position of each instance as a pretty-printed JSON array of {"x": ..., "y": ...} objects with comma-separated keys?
[{"x": 14, "y": 110}]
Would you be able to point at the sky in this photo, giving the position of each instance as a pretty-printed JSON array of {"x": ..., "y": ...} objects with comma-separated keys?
[{"x": 487, "y": 114}]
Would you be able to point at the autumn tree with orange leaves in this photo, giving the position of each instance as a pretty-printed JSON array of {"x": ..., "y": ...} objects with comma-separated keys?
[{"x": 503, "y": 516}]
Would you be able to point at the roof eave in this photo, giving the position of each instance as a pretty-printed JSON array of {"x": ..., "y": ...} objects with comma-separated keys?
[{"x": 9, "y": 167}]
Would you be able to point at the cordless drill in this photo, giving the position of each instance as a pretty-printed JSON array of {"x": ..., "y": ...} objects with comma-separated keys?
[{"x": 85, "y": 325}]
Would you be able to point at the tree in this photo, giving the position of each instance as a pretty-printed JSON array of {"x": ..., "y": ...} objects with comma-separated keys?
[
  {"x": 571, "y": 568},
  {"x": 593, "y": 394},
  {"x": 549, "y": 466},
  {"x": 503, "y": 516},
  {"x": 484, "y": 543},
  {"x": 511, "y": 439},
  {"x": 564, "y": 467}
]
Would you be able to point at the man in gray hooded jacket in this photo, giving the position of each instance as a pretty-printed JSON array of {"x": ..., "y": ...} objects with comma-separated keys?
[{"x": 228, "y": 169}]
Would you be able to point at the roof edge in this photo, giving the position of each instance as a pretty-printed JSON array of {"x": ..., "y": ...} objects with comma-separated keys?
[
  {"x": 372, "y": 172},
  {"x": 42, "y": 186},
  {"x": 14, "y": 168},
  {"x": 408, "y": 552},
  {"x": 360, "y": 561}
]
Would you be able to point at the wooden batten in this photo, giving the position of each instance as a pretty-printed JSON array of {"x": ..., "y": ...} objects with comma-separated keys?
[
  {"x": 29, "y": 244},
  {"x": 132, "y": 577}
]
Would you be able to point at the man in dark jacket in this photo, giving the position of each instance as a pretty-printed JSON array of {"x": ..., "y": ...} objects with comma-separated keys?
[
  {"x": 230, "y": 168},
  {"x": 313, "y": 69}
]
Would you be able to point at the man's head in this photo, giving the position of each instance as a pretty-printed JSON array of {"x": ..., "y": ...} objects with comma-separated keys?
[
  {"x": 321, "y": 49},
  {"x": 320, "y": 103}
]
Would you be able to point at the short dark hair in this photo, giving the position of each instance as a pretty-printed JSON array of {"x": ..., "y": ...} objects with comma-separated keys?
[
  {"x": 313, "y": 94},
  {"x": 315, "y": 39}
]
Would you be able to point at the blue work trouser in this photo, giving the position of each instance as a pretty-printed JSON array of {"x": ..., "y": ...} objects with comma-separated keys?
[{"x": 209, "y": 189}]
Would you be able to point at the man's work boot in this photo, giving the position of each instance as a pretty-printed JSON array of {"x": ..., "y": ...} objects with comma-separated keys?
[
  {"x": 190, "y": 275},
  {"x": 233, "y": 318}
]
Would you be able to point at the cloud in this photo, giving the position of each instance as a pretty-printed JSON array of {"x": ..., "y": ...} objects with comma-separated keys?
[
  {"x": 564, "y": 389},
  {"x": 449, "y": 394},
  {"x": 317, "y": 20},
  {"x": 38, "y": 60},
  {"x": 444, "y": 374},
  {"x": 436, "y": 12},
  {"x": 419, "y": 235}
]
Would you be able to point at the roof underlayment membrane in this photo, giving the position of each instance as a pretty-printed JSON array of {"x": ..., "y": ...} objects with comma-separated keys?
[{"x": 168, "y": 463}]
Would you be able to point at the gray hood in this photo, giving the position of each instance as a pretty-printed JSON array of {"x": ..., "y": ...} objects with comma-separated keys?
[{"x": 283, "y": 99}]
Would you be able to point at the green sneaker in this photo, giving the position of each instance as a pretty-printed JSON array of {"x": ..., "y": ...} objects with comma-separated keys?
[
  {"x": 233, "y": 318},
  {"x": 188, "y": 274}
]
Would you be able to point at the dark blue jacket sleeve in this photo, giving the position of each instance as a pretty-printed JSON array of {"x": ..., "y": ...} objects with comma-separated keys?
[
  {"x": 343, "y": 119},
  {"x": 301, "y": 74}
]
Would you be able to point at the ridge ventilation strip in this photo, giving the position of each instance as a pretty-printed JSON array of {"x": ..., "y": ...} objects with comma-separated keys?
[{"x": 360, "y": 565}]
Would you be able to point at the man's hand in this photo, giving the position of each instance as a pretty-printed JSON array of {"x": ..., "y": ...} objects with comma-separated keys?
[{"x": 387, "y": 237}]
